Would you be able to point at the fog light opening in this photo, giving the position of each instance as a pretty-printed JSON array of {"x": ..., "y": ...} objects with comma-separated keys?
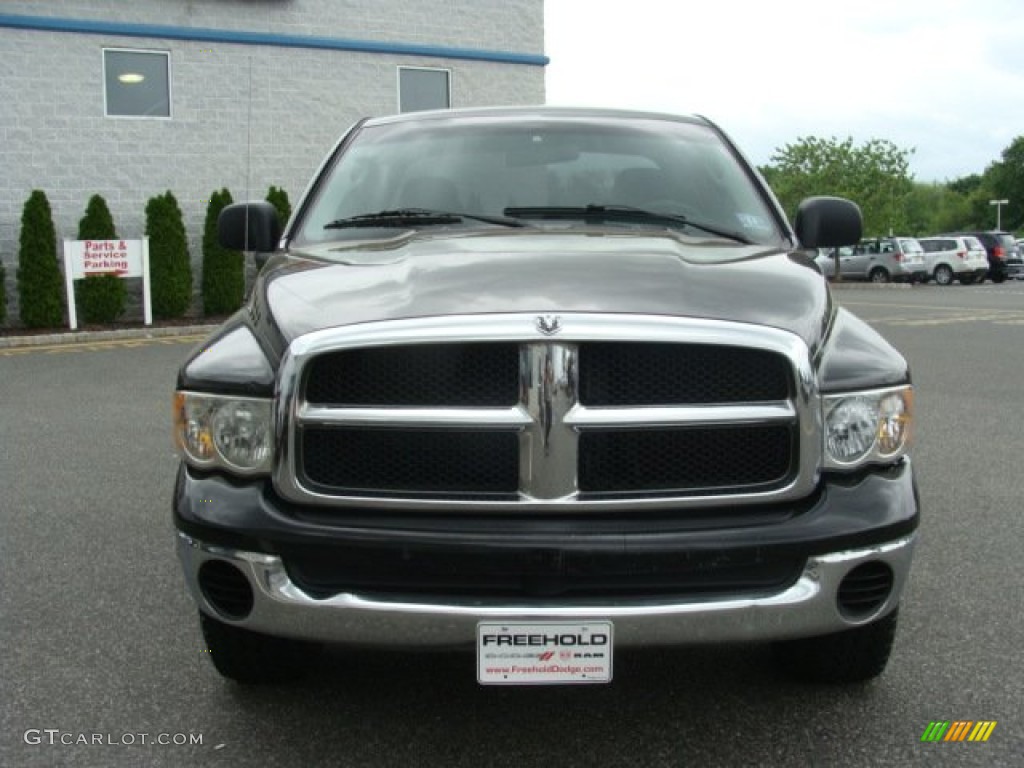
[
  {"x": 226, "y": 589},
  {"x": 864, "y": 590}
]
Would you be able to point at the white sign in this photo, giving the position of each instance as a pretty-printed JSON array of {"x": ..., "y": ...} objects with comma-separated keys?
[
  {"x": 542, "y": 653},
  {"x": 121, "y": 258}
]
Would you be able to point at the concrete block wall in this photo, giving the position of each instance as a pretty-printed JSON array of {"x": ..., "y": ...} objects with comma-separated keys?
[{"x": 242, "y": 116}]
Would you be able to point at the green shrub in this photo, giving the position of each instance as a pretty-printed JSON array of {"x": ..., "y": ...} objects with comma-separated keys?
[
  {"x": 40, "y": 285},
  {"x": 3, "y": 294},
  {"x": 278, "y": 198},
  {"x": 223, "y": 270},
  {"x": 101, "y": 298},
  {"x": 169, "y": 267}
]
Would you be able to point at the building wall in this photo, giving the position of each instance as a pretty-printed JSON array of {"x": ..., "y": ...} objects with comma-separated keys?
[{"x": 244, "y": 116}]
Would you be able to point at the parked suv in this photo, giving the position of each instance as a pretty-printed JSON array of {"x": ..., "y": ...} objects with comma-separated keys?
[
  {"x": 960, "y": 257},
  {"x": 1015, "y": 264},
  {"x": 880, "y": 260},
  {"x": 546, "y": 383},
  {"x": 1002, "y": 253}
]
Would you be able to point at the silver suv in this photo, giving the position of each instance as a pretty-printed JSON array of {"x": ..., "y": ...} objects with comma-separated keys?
[
  {"x": 959, "y": 257},
  {"x": 880, "y": 260}
]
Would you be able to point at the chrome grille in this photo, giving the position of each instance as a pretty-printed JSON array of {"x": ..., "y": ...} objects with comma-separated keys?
[{"x": 487, "y": 412}]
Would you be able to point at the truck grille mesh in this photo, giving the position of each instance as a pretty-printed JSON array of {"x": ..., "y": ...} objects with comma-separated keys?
[
  {"x": 708, "y": 459},
  {"x": 417, "y": 375},
  {"x": 675, "y": 374},
  {"x": 411, "y": 461}
]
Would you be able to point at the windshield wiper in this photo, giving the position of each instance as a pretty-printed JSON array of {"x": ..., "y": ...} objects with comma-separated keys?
[
  {"x": 418, "y": 217},
  {"x": 620, "y": 213}
]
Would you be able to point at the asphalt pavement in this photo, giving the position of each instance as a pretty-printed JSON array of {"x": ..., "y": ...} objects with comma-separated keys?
[{"x": 99, "y": 642}]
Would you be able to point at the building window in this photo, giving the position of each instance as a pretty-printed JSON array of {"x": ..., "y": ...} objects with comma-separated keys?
[
  {"x": 136, "y": 83},
  {"x": 420, "y": 88}
]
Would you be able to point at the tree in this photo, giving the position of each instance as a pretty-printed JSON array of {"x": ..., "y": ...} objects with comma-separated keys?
[
  {"x": 170, "y": 268},
  {"x": 278, "y": 198},
  {"x": 934, "y": 208},
  {"x": 223, "y": 270},
  {"x": 1006, "y": 180},
  {"x": 40, "y": 288},
  {"x": 101, "y": 297},
  {"x": 875, "y": 175}
]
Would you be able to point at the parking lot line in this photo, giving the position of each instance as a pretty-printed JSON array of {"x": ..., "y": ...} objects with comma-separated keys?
[{"x": 99, "y": 346}]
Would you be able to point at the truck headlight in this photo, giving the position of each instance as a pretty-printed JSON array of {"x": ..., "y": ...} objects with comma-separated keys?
[
  {"x": 867, "y": 427},
  {"x": 219, "y": 431}
]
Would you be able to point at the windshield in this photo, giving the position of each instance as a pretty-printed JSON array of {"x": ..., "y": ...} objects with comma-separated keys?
[{"x": 526, "y": 166}]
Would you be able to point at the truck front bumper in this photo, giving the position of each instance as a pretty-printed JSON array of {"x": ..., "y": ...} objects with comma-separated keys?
[
  {"x": 243, "y": 554},
  {"x": 807, "y": 608}
]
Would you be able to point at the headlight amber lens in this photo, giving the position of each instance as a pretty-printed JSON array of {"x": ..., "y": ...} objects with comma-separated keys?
[
  {"x": 894, "y": 420},
  {"x": 233, "y": 433}
]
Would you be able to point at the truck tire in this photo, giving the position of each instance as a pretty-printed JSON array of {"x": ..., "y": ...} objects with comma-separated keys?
[
  {"x": 852, "y": 656},
  {"x": 251, "y": 658}
]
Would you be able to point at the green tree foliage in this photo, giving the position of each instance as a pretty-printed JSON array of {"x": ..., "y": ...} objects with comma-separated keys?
[
  {"x": 1006, "y": 180},
  {"x": 40, "y": 285},
  {"x": 278, "y": 198},
  {"x": 934, "y": 208},
  {"x": 223, "y": 270},
  {"x": 170, "y": 268},
  {"x": 875, "y": 175},
  {"x": 100, "y": 297}
]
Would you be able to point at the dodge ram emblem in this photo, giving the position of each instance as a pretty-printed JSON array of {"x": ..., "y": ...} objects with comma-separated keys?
[{"x": 549, "y": 325}]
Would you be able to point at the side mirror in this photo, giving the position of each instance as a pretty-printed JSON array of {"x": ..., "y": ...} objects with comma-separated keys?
[
  {"x": 249, "y": 227},
  {"x": 827, "y": 222}
]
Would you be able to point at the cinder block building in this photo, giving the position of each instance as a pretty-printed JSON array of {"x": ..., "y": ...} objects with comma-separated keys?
[{"x": 130, "y": 99}]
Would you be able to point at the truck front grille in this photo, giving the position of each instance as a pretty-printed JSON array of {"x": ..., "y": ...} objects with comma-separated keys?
[{"x": 489, "y": 410}]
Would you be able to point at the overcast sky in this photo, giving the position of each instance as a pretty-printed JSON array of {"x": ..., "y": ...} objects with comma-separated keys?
[{"x": 943, "y": 77}]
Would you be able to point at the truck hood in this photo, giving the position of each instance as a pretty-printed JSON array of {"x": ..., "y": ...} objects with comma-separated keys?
[{"x": 547, "y": 272}]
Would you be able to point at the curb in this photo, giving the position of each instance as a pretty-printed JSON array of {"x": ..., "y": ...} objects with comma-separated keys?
[{"x": 87, "y": 337}]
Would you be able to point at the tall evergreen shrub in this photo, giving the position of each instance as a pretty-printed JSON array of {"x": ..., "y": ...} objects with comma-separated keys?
[
  {"x": 100, "y": 297},
  {"x": 278, "y": 198},
  {"x": 223, "y": 270},
  {"x": 3, "y": 294},
  {"x": 40, "y": 285},
  {"x": 170, "y": 269}
]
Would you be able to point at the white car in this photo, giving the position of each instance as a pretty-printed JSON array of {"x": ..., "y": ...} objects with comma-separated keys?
[
  {"x": 878, "y": 259},
  {"x": 954, "y": 257}
]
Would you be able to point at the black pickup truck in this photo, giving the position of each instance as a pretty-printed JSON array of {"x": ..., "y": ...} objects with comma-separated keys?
[{"x": 545, "y": 383}]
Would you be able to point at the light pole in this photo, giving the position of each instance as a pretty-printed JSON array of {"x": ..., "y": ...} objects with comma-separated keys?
[{"x": 999, "y": 212}]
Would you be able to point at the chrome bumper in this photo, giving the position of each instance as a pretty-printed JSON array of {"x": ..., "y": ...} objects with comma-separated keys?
[{"x": 807, "y": 608}]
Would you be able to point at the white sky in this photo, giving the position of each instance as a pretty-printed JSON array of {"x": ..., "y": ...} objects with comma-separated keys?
[{"x": 944, "y": 77}]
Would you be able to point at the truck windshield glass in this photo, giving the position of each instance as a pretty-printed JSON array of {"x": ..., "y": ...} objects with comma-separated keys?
[{"x": 483, "y": 166}]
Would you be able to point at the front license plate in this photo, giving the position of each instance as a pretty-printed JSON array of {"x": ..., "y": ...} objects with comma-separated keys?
[{"x": 512, "y": 653}]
